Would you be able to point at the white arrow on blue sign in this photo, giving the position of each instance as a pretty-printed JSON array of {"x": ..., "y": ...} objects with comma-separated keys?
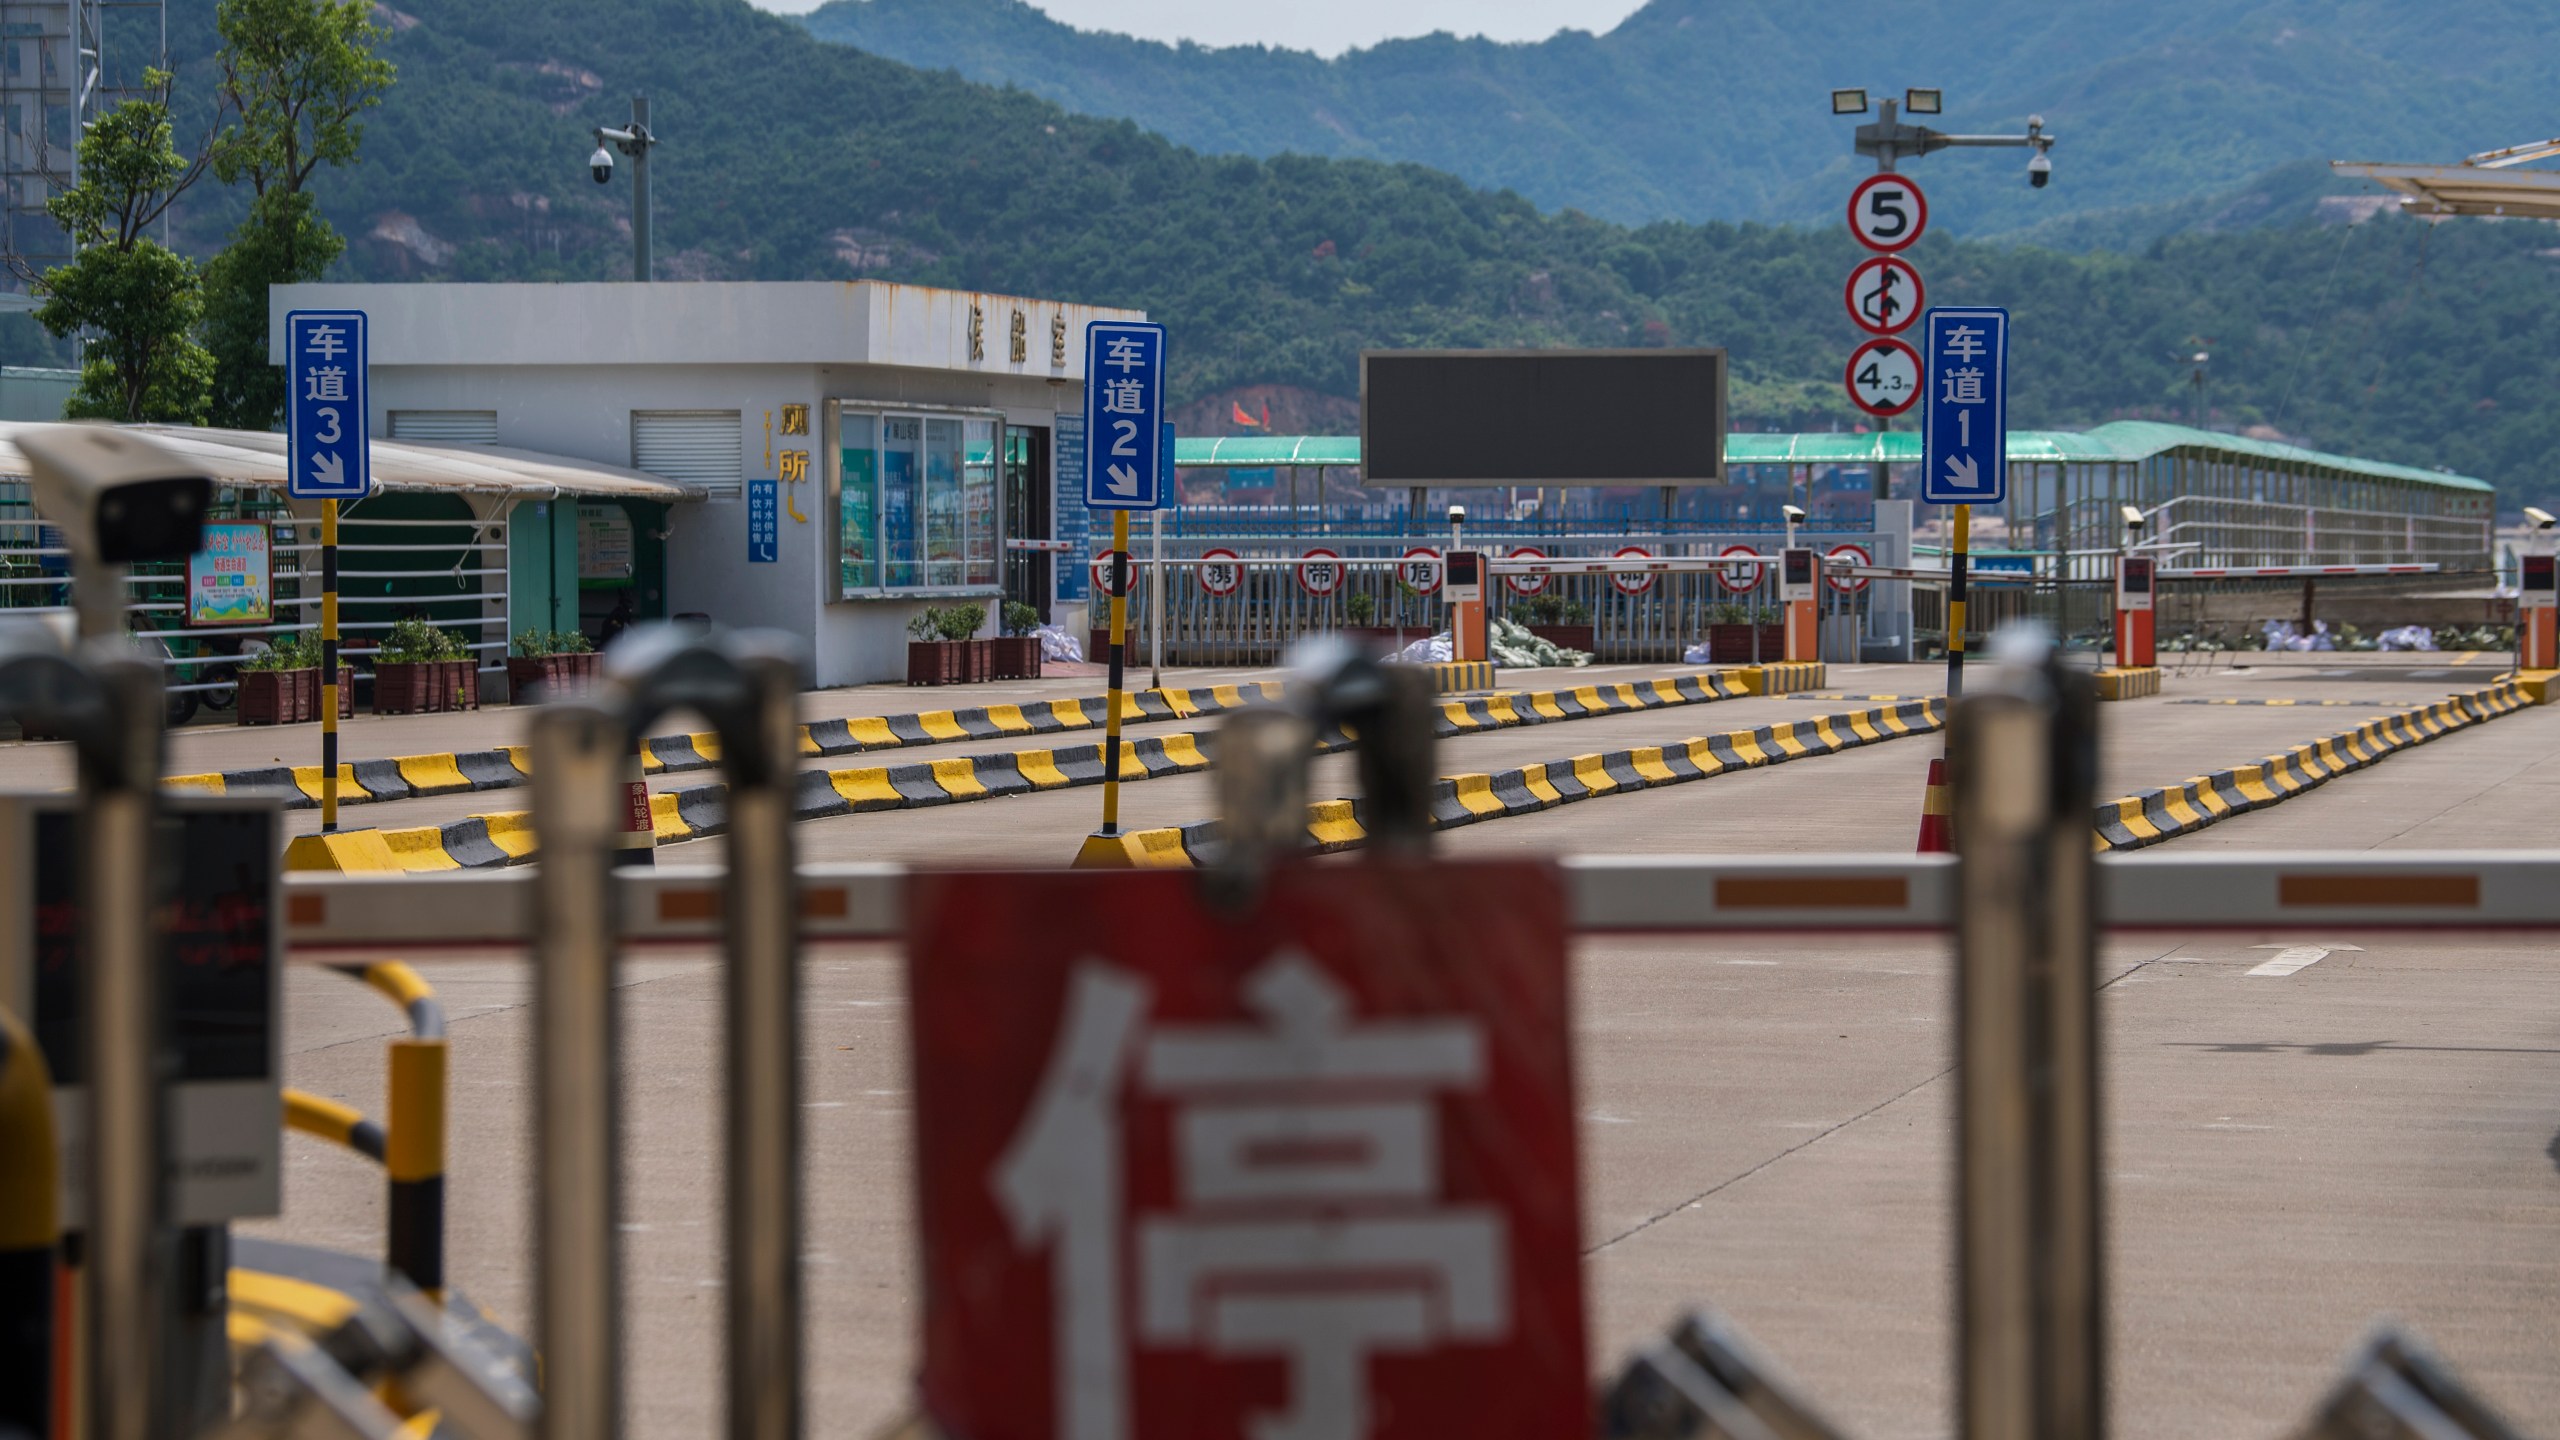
[
  {"x": 328, "y": 421},
  {"x": 1966, "y": 415},
  {"x": 1124, "y": 415}
]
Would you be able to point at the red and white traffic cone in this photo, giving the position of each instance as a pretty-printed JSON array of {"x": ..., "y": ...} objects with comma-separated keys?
[
  {"x": 639, "y": 844},
  {"x": 1937, "y": 815}
]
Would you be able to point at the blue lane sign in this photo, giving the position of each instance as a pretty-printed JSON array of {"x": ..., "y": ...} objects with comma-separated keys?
[
  {"x": 1967, "y": 415},
  {"x": 327, "y": 419},
  {"x": 764, "y": 522},
  {"x": 1123, "y": 415}
]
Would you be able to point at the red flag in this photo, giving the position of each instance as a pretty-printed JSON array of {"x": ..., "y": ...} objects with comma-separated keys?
[
  {"x": 1266, "y": 414},
  {"x": 1241, "y": 417}
]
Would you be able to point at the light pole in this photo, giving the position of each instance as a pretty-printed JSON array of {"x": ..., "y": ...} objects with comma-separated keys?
[
  {"x": 1890, "y": 142},
  {"x": 636, "y": 142}
]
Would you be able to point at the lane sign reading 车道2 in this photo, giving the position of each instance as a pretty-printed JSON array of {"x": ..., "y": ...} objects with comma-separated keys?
[
  {"x": 1966, "y": 419},
  {"x": 328, "y": 426},
  {"x": 1124, "y": 415}
]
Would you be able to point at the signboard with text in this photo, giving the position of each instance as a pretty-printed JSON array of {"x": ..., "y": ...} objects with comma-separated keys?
[
  {"x": 328, "y": 427},
  {"x": 231, "y": 580},
  {"x": 1070, "y": 521},
  {"x": 1304, "y": 1170},
  {"x": 764, "y": 522},
  {"x": 1125, "y": 466},
  {"x": 1967, "y": 419}
]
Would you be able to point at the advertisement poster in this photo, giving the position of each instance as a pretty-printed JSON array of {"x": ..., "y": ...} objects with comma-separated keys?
[
  {"x": 228, "y": 581},
  {"x": 858, "y": 520},
  {"x": 604, "y": 545}
]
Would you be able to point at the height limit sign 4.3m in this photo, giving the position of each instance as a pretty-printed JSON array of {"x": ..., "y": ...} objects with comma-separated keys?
[{"x": 1967, "y": 417}]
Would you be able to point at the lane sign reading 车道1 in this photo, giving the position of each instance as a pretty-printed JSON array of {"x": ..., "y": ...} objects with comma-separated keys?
[
  {"x": 1883, "y": 376},
  {"x": 1887, "y": 212},
  {"x": 1124, "y": 415},
  {"x": 1884, "y": 294},
  {"x": 1967, "y": 417},
  {"x": 328, "y": 423}
]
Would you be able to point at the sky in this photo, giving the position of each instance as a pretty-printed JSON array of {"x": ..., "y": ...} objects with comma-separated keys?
[{"x": 1327, "y": 27}]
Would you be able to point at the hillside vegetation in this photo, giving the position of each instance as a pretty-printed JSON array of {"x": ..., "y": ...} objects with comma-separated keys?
[{"x": 788, "y": 158}]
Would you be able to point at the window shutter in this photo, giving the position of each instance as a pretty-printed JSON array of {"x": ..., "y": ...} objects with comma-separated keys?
[
  {"x": 698, "y": 447},
  {"x": 446, "y": 427}
]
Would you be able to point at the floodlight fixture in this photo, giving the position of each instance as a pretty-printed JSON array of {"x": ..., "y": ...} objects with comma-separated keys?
[
  {"x": 1923, "y": 100},
  {"x": 1848, "y": 102}
]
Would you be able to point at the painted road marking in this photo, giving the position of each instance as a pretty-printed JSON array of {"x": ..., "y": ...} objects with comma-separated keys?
[{"x": 2290, "y": 958}]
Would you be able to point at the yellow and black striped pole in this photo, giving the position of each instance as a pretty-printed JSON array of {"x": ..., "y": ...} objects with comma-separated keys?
[
  {"x": 28, "y": 1185},
  {"x": 1958, "y": 557},
  {"x": 328, "y": 665},
  {"x": 1102, "y": 848}
]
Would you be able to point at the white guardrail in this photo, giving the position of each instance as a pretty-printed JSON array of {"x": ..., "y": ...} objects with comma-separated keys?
[{"x": 2513, "y": 890}]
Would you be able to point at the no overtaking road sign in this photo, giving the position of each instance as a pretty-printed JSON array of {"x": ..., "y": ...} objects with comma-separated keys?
[
  {"x": 1967, "y": 417},
  {"x": 328, "y": 424},
  {"x": 1124, "y": 415}
]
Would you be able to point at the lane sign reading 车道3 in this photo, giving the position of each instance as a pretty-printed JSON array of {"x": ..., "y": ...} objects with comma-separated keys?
[
  {"x": 1967, "y": 417},
  {"x": 327, "y": 421}
]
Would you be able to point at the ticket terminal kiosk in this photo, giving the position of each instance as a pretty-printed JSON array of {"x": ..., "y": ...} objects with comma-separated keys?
[
  {"x": 1799, "y": 583},
  {"x": 2134, "y": 645},
  {"x": 1469, "y": 635},
  {"x": 2540, "y": 601}
]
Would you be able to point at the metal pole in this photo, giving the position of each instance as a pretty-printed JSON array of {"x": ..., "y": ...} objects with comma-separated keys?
[
  {"x": 1958, "y": 556},
  {"x": 578, "y": 755},
  {"x": 1119, "y": 648},
  {"x": 640, "y": 214},
  {"x": 329, "y": 665},
  {"x": 1157, "y": 589},
  {"x": 762, "y": 1003}
]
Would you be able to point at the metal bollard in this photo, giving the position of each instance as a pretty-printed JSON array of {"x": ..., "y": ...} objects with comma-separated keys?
[
  {"x": 747, "y": 687},
  {"x": 2031, "y": 1294},
  {"x": 29, "y": 1233}
]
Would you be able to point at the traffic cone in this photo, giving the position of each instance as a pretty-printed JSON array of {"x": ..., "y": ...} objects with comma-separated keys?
[
  {"x": 1937, "y": 822},
  {"x": 639, "y": 845}
]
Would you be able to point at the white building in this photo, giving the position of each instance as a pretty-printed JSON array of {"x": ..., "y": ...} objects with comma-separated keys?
[{"x": 902, "y": 433}]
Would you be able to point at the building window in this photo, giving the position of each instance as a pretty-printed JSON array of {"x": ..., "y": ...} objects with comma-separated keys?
[
  {"x": 694, "y": 447},
  {"x": 916, "y": 505},
  {"x": 446, "y": 427}
]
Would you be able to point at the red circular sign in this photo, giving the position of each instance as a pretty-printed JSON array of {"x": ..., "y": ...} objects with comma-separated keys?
[
  {"x": 1884, "y": 294},
  {"x": 1220, "y": 571},
  {"x": 1102, "y": 576},
  {"x": 1739, "y": 578},
  {"x": 1846, "y": 555},
  {"x": 1632, "y": 584},
  {"x": 1527, "y": 584},
  {"x": 1883, "y": 376},
  {"x": 1420, "y": 571},
  {"x": 1887, "y": 212},
  {"x": 1321, "y": 580}
]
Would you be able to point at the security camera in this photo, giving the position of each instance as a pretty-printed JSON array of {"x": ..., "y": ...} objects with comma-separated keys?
[
  {"x": 2040, "y": 170},
  {"x": 1794, "y": 513},
  {"x": 1457, "y": 514},
  {"x": 2133, "y": 517},
  {"x": 117, "y": 497},
  {"x": 2542, "y": 519},
  {"x": 600, "y": 165}
]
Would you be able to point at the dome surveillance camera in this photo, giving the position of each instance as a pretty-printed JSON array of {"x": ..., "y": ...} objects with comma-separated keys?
[
  {"x": 2040, "y": 171},
  {"x": 600, "y": 165}
]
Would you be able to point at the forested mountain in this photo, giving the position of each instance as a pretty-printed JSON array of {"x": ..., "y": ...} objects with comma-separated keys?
[
  {"x": 789, "y": 158},
  {"x": 1716, "y": 109}
]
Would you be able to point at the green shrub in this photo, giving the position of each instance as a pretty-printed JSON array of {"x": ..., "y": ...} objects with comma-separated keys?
[
  {"x": 1020, "y": 619},
  {"x": 415, "y": 642},
  {"x": 1360, "y": 608},
  {"x": 571, "y": 642},
  {"x": 925, "y": 625},
  {"x": 962, "y": 621},
  {"x": 287, "y": 652}
]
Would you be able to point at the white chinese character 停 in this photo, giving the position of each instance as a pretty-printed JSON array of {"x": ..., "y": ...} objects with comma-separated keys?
[
  {"x": 327, "y": 341},
  {"x": 328, "y": 382},
  {"x": 1964, "y": 385},
  {"x": 1123, "y": 352},
  {"x": 1124, "y": 397},
  {"x": 1965, "y": 342}
]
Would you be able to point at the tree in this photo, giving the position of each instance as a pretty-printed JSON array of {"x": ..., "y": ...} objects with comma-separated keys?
[
  {"x": 296, "y": 74},
  {"x": 133, "y": 299}
]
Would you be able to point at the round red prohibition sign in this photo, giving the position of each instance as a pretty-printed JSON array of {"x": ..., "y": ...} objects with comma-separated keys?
[
  {"x": 1320, "y": 580},
  {"x": 1739, "y": 578},
  {"x": 1883, "y": 376},
  {"x": 1846, "y": 555},
  {"x": 1884, "y": 294},
  {"x": 1632, "y": 584},
  {"x": 1420, "y": 571},
  {"x": 1887, "y": 212},
  {"x": 1220, "y": 571},
  {"x": 1527, "y": 584},
  {"x": 1102, "y": 575}
]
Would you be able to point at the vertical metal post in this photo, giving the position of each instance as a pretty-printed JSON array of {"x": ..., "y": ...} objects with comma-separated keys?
[
  {"x": 762, "y": 1004},
  {"x": 2031, "y": 1294},
  {"x": 578, "y": 754},
  {"x": 640, "y": 213},
  {"x": 1119, "y": 648},
  {"x": 130, "y": 1253},
  {"x": 1157, "y": 589},
  {"x": 1959, "y": 556},
  {"x": 329, "y": 665}
]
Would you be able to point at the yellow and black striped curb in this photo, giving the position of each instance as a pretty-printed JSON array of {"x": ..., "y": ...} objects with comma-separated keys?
[
  {"x": 2536, "y": 684},
  {"x": 1784, "y": 677},
  {"x": 2307, "y": 704},
  {"x": 2128, "y": 682},
  {"x": 1468, "y": 799},
  {"x": 697, "y": 812},
  {"x": 2164, "y": 814},
  {"x": 1458, "y": 677}
]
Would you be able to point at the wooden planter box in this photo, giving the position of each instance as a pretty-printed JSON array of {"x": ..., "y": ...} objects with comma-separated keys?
[
  {"x": 290, "y": 697},
  {"x": 1571, "y": 637},
  {"x": 1731, "y": 644},
  {"x": 425, "y": 686},
  {"x": 937, "y": 662},
  {"x": 534, "y": 679},
  {"x": 980, "y": 659},
  {"x": 1014, "y": 657}
]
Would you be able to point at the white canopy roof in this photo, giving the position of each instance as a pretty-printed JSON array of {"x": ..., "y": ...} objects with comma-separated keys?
[{"x": 255, "y": 459}]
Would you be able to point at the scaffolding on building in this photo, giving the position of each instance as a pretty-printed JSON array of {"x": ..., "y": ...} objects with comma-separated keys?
[{"x": 63, "y": 63}]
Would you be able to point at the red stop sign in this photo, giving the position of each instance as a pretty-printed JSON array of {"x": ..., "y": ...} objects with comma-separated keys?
[{"x": 1186, "y": 1172}]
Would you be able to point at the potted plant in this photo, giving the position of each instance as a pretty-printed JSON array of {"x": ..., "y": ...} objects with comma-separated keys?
[
  {"x": 1731, "y": 626},
  {"x": 932, "y": 660},
  {"x": 272, "y": 684},
  {"x": 1017, "y": 654},
  {"x": 1361, "y": 628},
  {"x": 1558, "y": 621},
  {"x": 959, "y": 628},
  {"x": 419, "y": 668},
  {"x": 548, "y": 664}
]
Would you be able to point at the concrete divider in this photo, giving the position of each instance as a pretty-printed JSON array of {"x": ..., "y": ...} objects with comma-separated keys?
[
  {"x": 1782, "y": 677},
  {"x": 488, "y": 841},
  {"x": 2133, "y": 821},
  {"x": 2131, "y": 682}
]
